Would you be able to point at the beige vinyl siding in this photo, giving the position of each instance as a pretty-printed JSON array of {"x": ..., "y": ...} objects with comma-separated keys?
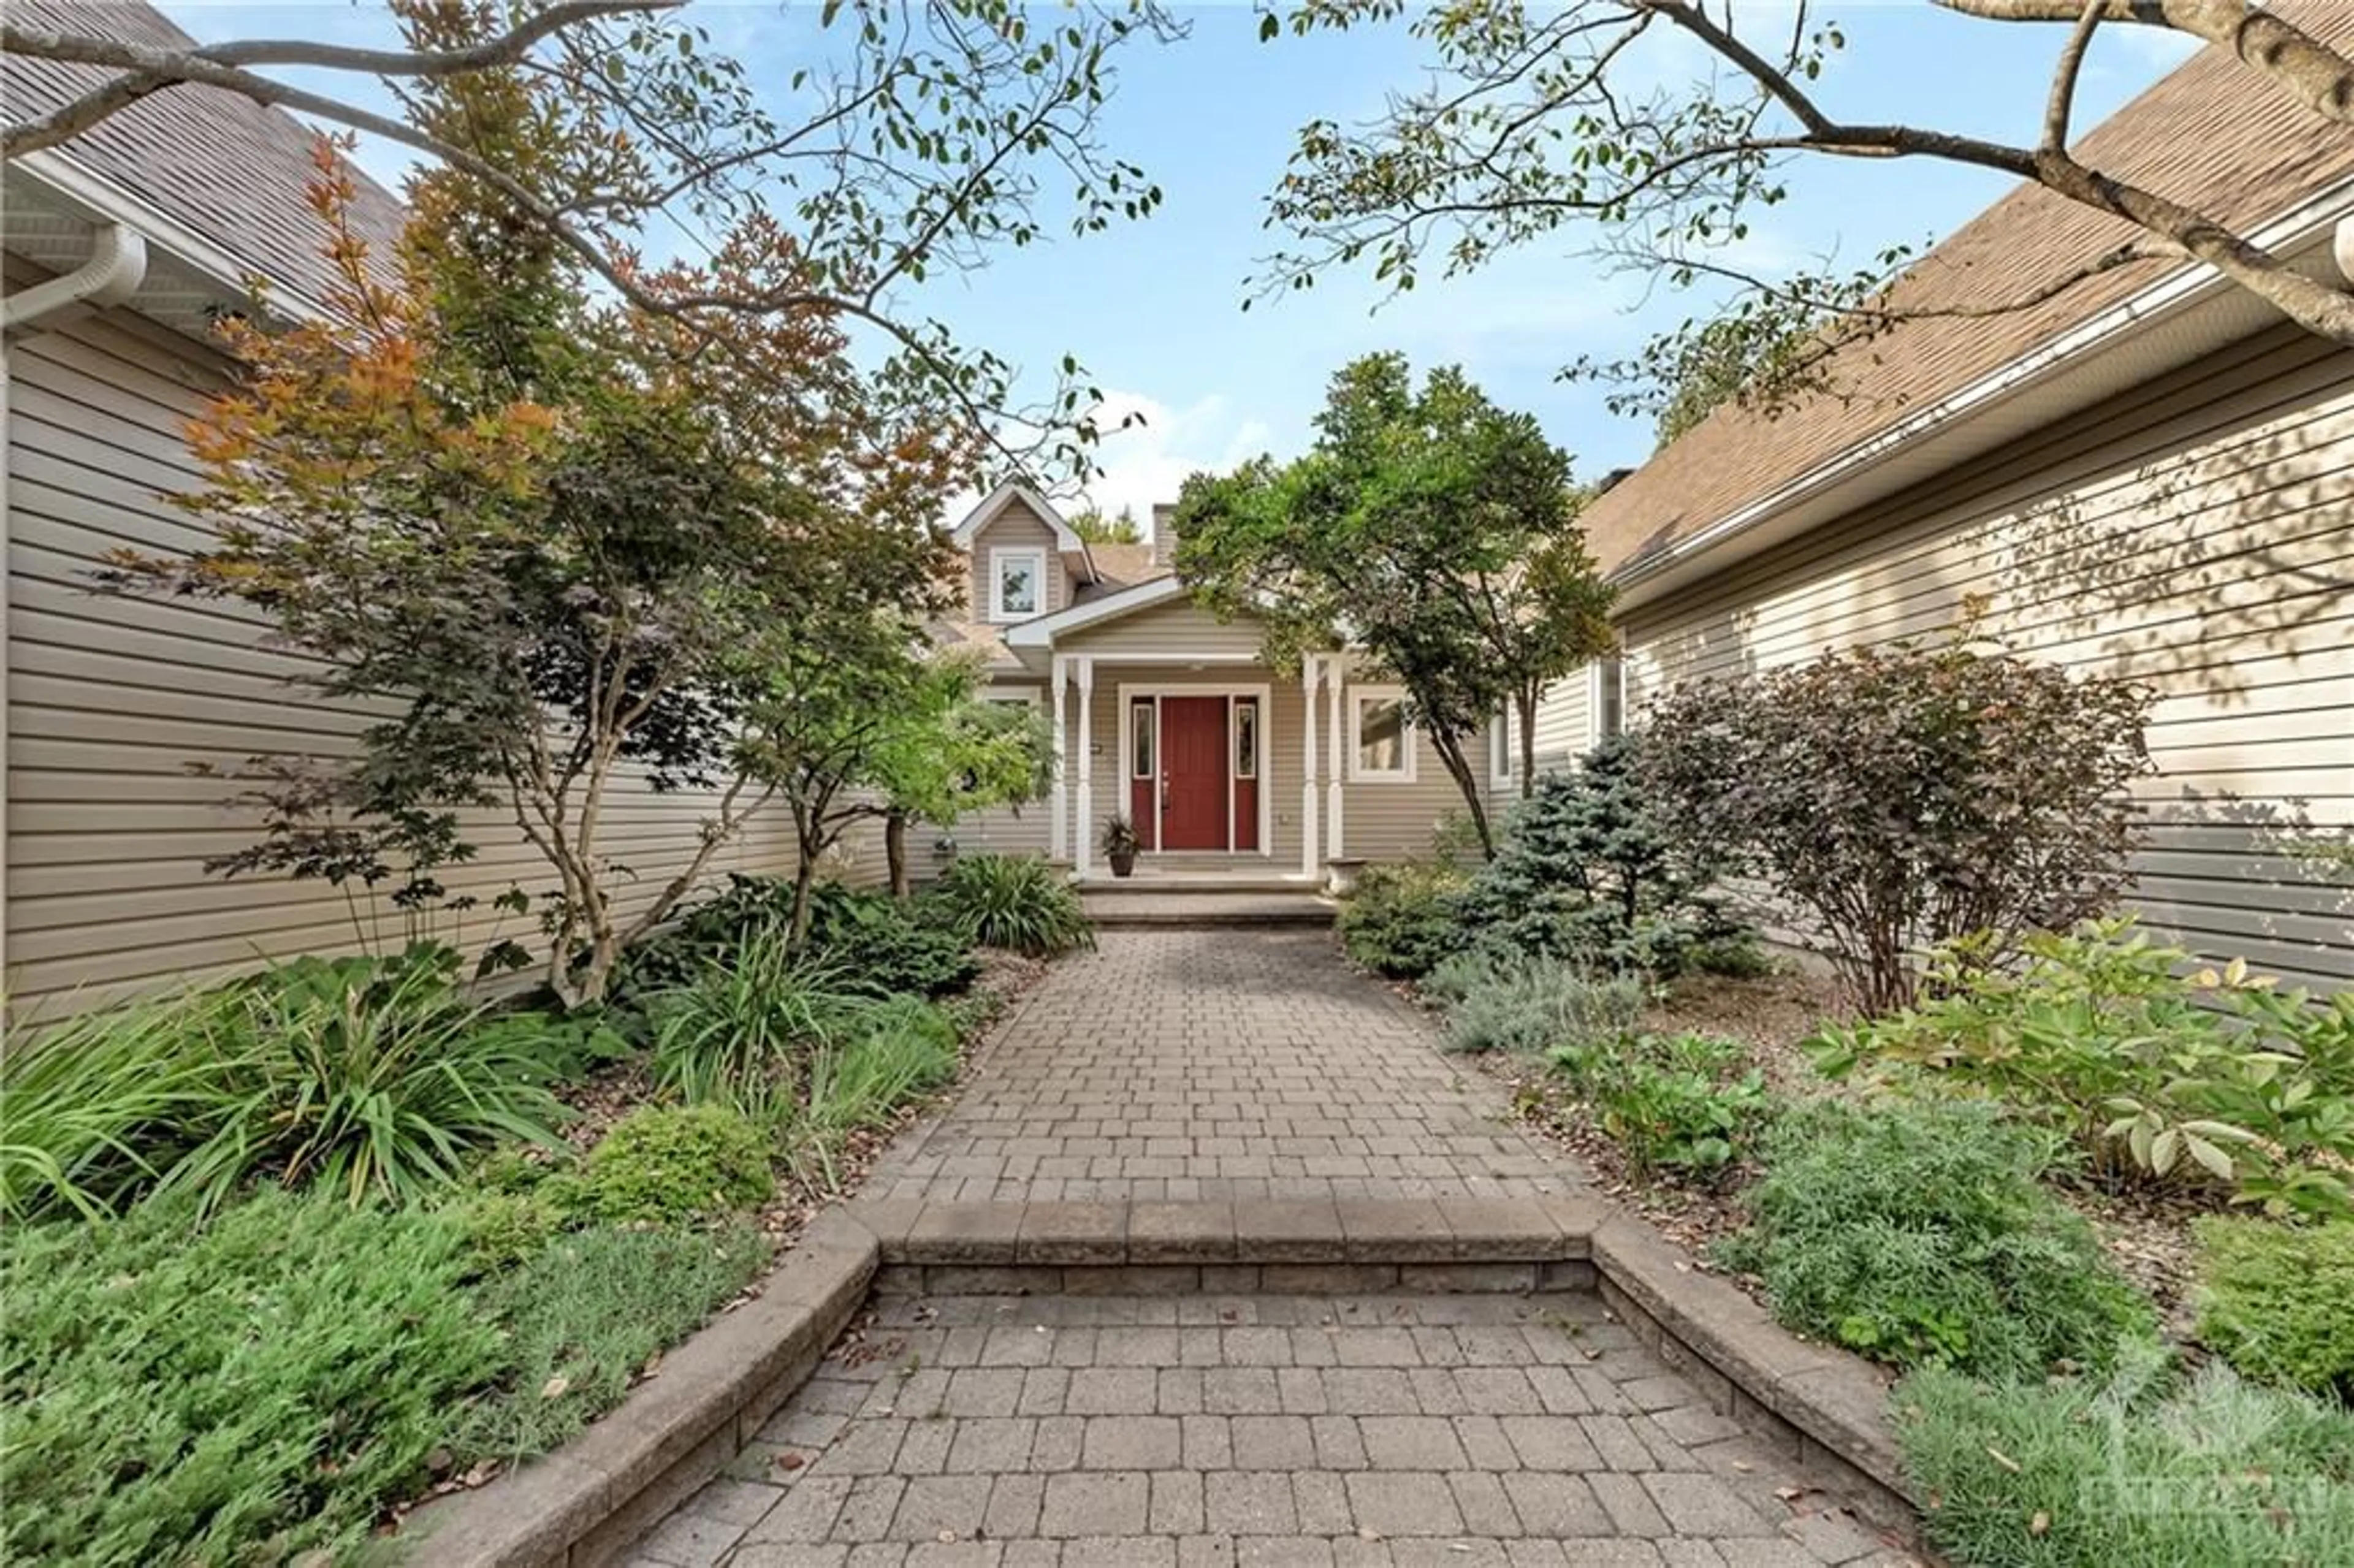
[
  {"x": 2195, "y": 534},
  {"x": 1016, "y": 527},
  {"x": 111, "y": 699},
  {"x": 1388, "y": 820},
  {"x": 1165, "y": 631},
  {"x": 1565, "y": 719}
]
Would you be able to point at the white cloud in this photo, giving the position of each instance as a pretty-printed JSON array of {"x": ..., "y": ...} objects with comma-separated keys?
[{"x": 1148, "y": 461}]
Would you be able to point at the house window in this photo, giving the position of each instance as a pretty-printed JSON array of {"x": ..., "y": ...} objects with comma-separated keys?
[
  {"x": 1610, "y": 697},
  {"x": 1015, "y": 698},
  {"x": 1381, "y": 744},
  {"x": 1245, "y": 739},
  {"x": 1504, "y": 748},
  {"x": 1017, "y": 584},
  {"x": 1141, "y": 738}
]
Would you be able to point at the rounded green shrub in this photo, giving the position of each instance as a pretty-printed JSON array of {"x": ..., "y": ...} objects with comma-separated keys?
[
  {"x": 1921, "y": 1234},
  {"x": 670, "y": 1164},
  {"x": 501, "y": 1229},
  {"x": 1401, "y": 920},
  {"x": 2277, "y": 1301}
]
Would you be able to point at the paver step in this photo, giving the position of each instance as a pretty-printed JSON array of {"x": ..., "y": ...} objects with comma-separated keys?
[{"x": 1255, "y": 1234}]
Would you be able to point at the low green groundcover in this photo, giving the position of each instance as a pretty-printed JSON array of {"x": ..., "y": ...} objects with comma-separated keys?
[
  {"x": 2208, "y": 1473},
  {"x": 266, "y": 1384}
]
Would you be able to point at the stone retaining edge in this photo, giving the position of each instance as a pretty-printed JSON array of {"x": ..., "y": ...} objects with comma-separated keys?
[
  {"x": 586, "y": 1504},
  {"x": 1826, "y": 1405}
]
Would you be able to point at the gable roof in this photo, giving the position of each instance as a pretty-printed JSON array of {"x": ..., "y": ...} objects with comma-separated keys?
[
  {"x": 993, "y": 505},
  {"x": 2213, "y": 134},
  {"x": 1040, "y": 633},
  {"x": 216, "y": 165}
]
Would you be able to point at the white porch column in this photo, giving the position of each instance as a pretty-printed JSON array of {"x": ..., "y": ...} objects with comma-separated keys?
[
  {"x": 1336, "y": 688},
  {"x": 1084, "y": 851},
  {"x": 1309, "y": 666},
  {"x": 1058, "y": 829}
]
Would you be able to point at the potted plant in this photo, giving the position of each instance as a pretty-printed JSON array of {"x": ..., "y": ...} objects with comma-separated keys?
[{"x": 1119, "y": 844}]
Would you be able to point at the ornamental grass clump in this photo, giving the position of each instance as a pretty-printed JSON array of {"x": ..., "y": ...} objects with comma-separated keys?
[
  {"x": 741, "y": 1032},
  {"x": 102, "y": 1103},
  {"x": 1019, "y": 902}
]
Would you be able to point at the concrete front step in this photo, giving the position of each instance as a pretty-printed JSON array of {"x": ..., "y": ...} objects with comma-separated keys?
[{"x": 1197, "y": 909}]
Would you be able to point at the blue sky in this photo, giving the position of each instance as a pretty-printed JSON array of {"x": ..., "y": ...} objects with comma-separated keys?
[{"x": 1154, "y": 311}]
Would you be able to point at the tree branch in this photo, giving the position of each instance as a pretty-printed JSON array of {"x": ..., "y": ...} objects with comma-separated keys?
[
  {"x": 2063, "y": 103},
  {"x": 2314, "y": 74},
  {"x": 150, "y": 69}
]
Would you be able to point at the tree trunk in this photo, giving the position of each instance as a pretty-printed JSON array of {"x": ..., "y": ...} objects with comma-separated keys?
[
  {"x": 895, "y": 852},
  {"x": 1527, "y": 701},
  {"x": 1449, "y": 747},
  {"x": 804, "y": 879}
]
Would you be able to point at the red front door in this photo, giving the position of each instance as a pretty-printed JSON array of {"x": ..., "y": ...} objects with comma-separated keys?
[{"x": 1193, "y": 777}]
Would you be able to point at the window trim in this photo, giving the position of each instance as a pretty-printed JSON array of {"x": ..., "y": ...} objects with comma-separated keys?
[
  {"x": 1503, "y": 750},
  {"x": 1151, "y": 737},
  {"x": 1238, "y": 709},
  {"x": 1611, "y": 668},
  {"x": 999, "y": 558},
  {"x": 1357, "y": 696},
  {"x": 1030, "y": 697}
]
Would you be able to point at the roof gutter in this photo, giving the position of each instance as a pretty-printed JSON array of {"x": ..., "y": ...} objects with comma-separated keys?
[
  {"x": 104, "y": 201},
  {"x": 2324, "y": 219},
  {"x": 117, "y": 266}
]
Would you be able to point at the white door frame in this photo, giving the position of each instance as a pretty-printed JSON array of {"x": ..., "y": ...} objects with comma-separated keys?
[{"x": 1129, "y": 692}]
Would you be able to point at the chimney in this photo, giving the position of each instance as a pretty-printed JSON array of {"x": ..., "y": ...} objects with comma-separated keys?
[{"x": 1165, "y": 533}]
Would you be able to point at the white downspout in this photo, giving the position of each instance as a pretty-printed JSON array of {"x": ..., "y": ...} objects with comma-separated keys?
[{"x": 117, "y": 266}]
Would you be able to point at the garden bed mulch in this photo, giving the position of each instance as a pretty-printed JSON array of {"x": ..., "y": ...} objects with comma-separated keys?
[{"x": 2146, "y": 1233}]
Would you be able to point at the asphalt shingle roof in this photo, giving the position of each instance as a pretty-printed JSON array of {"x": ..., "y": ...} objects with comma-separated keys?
[
  {"x": 219, "y": 164},
  {"x": 2214, "y": 134}
]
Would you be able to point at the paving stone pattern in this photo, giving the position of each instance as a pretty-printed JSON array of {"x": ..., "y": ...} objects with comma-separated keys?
[
  {"x": 1322, "y": 1431},
  {"x": 1258, "y": 1429},
  {"x": 1218, "y": 1064}
]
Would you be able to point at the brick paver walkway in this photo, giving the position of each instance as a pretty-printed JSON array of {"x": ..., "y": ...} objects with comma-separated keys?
[
  {"x": 1218, "y": 1064},
  {"x": 1096, "y": 1431}
]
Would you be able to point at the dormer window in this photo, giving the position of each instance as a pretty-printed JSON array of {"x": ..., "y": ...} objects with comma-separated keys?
[{"x": 1017, "y": 584}]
